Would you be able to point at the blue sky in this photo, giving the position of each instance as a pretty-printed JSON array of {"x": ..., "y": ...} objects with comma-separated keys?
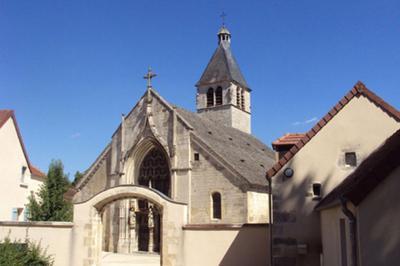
[{"x": 71, "y": 68}]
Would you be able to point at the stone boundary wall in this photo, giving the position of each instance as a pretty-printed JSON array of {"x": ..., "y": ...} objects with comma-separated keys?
[
  {"x": 226, "y": 245},
  {"x": 55, "y": 237}
]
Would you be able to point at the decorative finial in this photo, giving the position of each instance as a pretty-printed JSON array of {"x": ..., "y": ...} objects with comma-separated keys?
[
  {"x": 150, "y": 74},
  {"x": 223, "y": 15}
]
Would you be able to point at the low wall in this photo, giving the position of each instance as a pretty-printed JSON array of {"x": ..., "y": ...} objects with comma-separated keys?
[
  {"x": 54, "y": 236},
  {"x": 226, "y": 245}
]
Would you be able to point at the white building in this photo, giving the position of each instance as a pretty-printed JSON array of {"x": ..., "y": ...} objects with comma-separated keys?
[{"x": 19, "y": 178}]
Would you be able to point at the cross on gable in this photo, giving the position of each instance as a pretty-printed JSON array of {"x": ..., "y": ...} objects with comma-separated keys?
[{"x": 150, "y": 74}]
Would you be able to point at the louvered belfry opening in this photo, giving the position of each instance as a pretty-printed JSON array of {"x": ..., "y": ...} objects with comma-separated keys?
[
  {"x": 210, "y": 97},
  {"x": 218, "y": 96}
]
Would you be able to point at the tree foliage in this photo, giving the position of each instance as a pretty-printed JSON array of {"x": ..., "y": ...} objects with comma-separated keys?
[
  {"x": 78, "y": 176},
  {"x": 20, "y": 254},
  {"x": 50, "y": 204}
]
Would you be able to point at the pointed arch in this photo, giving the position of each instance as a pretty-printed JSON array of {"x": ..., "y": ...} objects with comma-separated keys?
[
  {"x": 154, "y": 171},
  {"x": 149, "y": 165}
]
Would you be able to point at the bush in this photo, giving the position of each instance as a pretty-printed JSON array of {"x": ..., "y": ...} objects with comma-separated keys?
[{"x": 22, "y": 254}]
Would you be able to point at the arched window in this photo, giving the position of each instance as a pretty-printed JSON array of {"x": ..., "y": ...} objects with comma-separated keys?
[
  {"x": 216, "y": 205},
  {"x": 218, "y": 96},
  {"x": 238, "y": 97},
  {"x": 154, "y": 171},
  {"x": 210, "y": 97},
  {"x": 242, "y": 100}
]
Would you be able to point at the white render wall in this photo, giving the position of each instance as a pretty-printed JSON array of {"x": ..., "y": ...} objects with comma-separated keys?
[
  {"x": 13, "y": 192},
  {"x": 56, "y": 237}
]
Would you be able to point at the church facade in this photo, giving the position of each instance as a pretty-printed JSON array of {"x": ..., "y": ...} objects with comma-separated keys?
[{"x": 207, "y": 160}]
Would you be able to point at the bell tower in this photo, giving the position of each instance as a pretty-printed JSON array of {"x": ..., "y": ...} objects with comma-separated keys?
[{"x": 222, "y": 92}]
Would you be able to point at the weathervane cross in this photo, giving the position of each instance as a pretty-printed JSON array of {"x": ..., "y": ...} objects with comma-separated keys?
[
  {"x": 150, "y": 74},
  {"x": 223, "y": 15}
]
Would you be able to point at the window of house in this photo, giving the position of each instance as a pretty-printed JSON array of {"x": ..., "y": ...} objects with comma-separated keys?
[
  {"x": 350, "y": 159},
  {"x": 26, "y": 214},
  {"x": 16, "y": 212},
  {"x": 317, "y": 190},
  {"x": 196, "y": 156},
  {"x": 210, "y": 97},
  {"x": 216, "y": 205},
  {"x": 218, "y": 96},
  {"x": 242, "y": 99},
  {"x": 23, "y": 172}
]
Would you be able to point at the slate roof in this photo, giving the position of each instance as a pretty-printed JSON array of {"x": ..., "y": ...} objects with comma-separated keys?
[
  {"x": 222, "y": 67},
  {"x": 371, "y": 172},
  {"x": 243, "y": 152},
  {"x": 358, "y": 90}
]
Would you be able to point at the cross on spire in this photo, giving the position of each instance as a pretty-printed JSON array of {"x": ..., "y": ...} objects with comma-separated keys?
[
  {"x": 223, "y": 16},
  {"x": 150, "y": 74}
]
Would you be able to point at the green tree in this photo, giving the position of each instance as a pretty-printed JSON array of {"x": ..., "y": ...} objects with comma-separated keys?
[
  {"x": 51, "y": 205},
  {"x": 78, "y": 176},
  {"x": 17, "y": 253}
]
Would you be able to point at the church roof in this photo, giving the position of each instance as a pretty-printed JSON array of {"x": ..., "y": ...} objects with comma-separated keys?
[
  {"x": 242, "y": 151},
  {"x": 222, "y": 67}
]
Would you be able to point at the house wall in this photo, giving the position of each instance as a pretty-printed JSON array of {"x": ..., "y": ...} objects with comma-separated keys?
[
  {"x": 360, "y": 126},
  {"x": 54, "y": 237},
  {"x": 13, "y": 192},
  {"x": 331, "y": 238},
  {"x": 378, "y": 223},
  {"x": 247, "y": 245}
]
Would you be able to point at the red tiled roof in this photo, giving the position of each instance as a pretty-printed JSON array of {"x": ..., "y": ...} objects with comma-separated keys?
[
  {"x": 371, "y": 172},
  {"x": 358, "y": 90},
  {"x": 36, "y": 172},
  {"x": 288, "y": 139},
  {"x": 4, "y": 116}
]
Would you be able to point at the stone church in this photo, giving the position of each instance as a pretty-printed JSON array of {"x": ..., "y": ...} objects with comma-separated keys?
[{"x": 207, "y": 160}]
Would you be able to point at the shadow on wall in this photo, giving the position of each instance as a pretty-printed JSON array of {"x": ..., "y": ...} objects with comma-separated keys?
[
  {"x": 295, "y": 221},
  {"x": 250, "y": 247}
]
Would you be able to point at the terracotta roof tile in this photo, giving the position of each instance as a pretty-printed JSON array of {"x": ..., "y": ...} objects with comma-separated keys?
[
  {"x": 358, "y": 90},
  {"x": 36, "y": 172},
  {"x": 288, "y": 139}
]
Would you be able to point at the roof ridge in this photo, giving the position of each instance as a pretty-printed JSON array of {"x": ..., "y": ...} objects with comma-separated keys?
[{"x": 358, "y": 89}]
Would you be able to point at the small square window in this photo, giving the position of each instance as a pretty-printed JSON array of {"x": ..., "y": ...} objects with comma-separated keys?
[
  {"x": 317, "y": 190},
  {"x": 350, "y": 159},
  {"x": 197, "y": 157}
]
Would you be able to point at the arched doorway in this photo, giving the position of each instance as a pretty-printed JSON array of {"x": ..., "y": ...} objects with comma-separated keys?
[{"x": 87, "y": 233}]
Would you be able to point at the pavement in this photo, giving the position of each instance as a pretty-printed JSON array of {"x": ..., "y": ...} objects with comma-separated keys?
[{"x": 137, "y": 259}]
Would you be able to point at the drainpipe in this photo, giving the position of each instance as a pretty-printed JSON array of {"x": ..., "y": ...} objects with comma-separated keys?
[
  {"x": 353, "y": 230},
  {"x": 271, "y": 262}
]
